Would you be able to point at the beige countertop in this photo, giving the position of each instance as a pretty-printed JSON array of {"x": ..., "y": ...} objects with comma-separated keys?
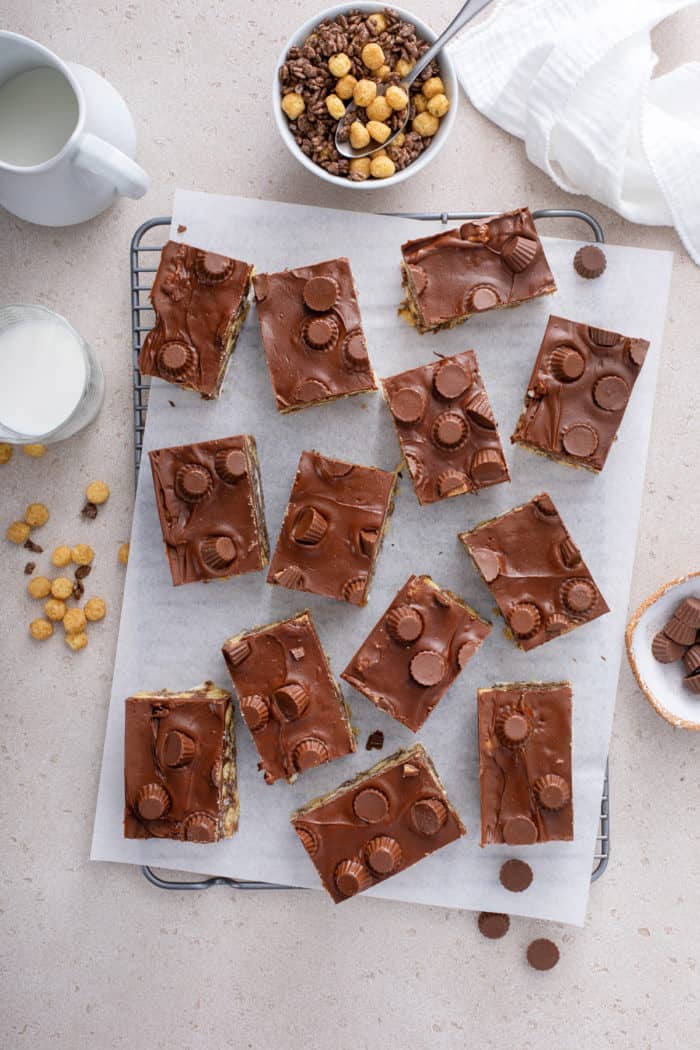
[{"x": 91, "y": 955}]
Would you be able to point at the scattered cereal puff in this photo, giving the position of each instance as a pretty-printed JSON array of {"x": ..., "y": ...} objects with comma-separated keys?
[
  {"x": 35, "y": 451},
  {"x": 36, "y": 514},
  {"x": 61, "y": 587},
  {"x": 5, "y": 452},
  {"x": 40, "y": 629},
  {"x": 82, "y": 554},
  {"x": 123, "y": 554},
  {"x": 61, "y": 557},
  {"x": 74, "y": 621},
  {"x": 95, "y": 609},
  {"x": 39, "y": 587},
  {"x": 55, "y": 609},
  {"x": 18, "y": 532},
  {"x": 97, "y": 492},
  {"x": 76, "y": 642}
]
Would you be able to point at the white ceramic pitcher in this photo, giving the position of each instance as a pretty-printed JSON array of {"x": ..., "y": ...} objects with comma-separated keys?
[{"x": 92, "y": 165}]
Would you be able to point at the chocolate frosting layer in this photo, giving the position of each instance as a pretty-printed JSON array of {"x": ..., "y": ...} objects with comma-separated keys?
[
  {"x": 446, "y": 427},
  {"x": 535, "y": 572},
  {"x": 333, "y": 527},
  {"x": 175, "y": 748},
  {"x": 288, "y": 698},
  {"x": 209, "y": 502},
  {"x": 422, "y": 619},
  {"x": 196, "y": 297},
  {"x": 525, "y": 763},
  {"x": 378, "y": 824},
  {"x": 483, "y": 264},
  {"x": 578, "y": 391},
  {"x": 312, "y": 333}
]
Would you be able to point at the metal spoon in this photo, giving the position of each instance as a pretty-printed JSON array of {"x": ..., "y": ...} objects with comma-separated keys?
[{"x": 464, "y": 15}]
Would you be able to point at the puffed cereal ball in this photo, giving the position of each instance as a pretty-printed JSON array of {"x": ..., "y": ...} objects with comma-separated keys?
[
  {"x": 36, "y": 514},
  {"x": 18, "y": 531},
  {"x": 372, "y": 56},
  {"x": 420, "y": 104},
  {"x": 335, "y": 107},
  {"x": 61, "y": 557},
  {"x": 340, "y": 64},
  {"x": 396, "y": 97},
  {"x": 360, "y": 166},
  {"x": 403, "y": 67},
  {"x": 97, "y": 492},
  {"x": 55, "y": 609},
  {"x": 82, "y": 554},
  {"x": 433, "y": 86},
  {"x": 438, "y": 105},
  {"x": 359, "y": 135},
  {"x": 5, "y": 452},
  {"x": 377, "y": 21},
  {"x": 379, "y": 109},
  {"x": 378, "y": 131},
  {"x": 95, "y": 609},
  {"x": 76, "y": 642},
  {"x": 61, "y": 587},
  {"x": 74, "y": 621},
  {"x": 345, "y": 87},
  {"x": 293, "y": 105},
  {"x": 35, "y": 451},
  {"x": 123, "y": 554},
  {"x": 384, "y": 72},
  {"x": 39, "y": 587},
  {"x": 425, "y": 124},
  {"x": 365, "y": 92},
  {"x": 382, "y": 167},
  {"x": 40, "y": 629}
]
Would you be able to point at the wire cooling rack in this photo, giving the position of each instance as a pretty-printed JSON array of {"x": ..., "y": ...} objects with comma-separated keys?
[{"x": 146, "y": 246}]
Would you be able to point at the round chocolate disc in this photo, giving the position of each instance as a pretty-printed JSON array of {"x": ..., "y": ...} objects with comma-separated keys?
[
  {"x": 520, "y": 831},
  {"x": 487, "y": 465},
  {"x": 355, "y": 349},
  {"x": 428, "y": 815},
  {"x": 309, "y": 753},
  {"x": 215, "y": 266},
  {"x": 427, "y": 668},
  {"x": 579, "y": 595},
  {"x": 370, "y": 805},
  {"x": 493, "y": 924},
  {"x": 465, "y": 653},
  {"x": 589, "y": 262},
  {"x": 384, "y": 855},
  {"x": 515, "y": 875},
  {"x": 524, "y": 619},
  {"x": 193, "y": 483},
  {"x": 407, "y": 405},
  {"x": 405, "y": 624},
  {"x": 320, "y": 293},
  {"x": 175, "y": 360},
  {"x": 552, "y": 792},
  {"x": 231, "y": 464},
  {"x": 487, "y": 562},
  {"x": 580, "y": 440},
  {"x": 450, "y": 430},
  {"x": 319, "y": 332},
  {"x": 611, "y": 393},
  {"x": 178, "y": 749},
  {"x": 542, "y": 954},
  {"x": 515, "y": 727},
  {"x": 152, "y": 801},
  {"x": 311, "y": 390},
  {"x": 483, "y": 298},
  {"x": 451, "y": 380},
  {"x": 351, "y": 877},
  {"x": 292, "y": 700},
  {"x": 255, "y": 711}
]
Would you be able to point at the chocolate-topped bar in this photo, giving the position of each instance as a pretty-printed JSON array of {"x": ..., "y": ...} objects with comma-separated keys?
[
  {"x": 210, "y": 505},
  {"x": 414, "y": 653},
  {"x": 578, "y": 391},
  {"x": 535, "y": 572},
  {"x": 180, "y": 765},
  {"x": 333, "y": 528},
  {"x": 378, "y": 824},
  {"x": 288, "y": 697},
  {"x": 525, "y": 763},
  {"x": 482, "y": 265},
  {"x": 200, "y": 301},
  {"x": 312, "y": 333},
  {"x": 446, "y": 428}
]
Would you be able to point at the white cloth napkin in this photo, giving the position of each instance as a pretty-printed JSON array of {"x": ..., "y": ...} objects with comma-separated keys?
[{"x": 574, "y": 80}]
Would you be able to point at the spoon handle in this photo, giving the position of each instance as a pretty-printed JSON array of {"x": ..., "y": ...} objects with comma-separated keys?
[{"x": 464, "y": 15}]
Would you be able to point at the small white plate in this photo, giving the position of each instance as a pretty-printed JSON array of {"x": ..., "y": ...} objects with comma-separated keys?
[{"x": 662, "y": 684}]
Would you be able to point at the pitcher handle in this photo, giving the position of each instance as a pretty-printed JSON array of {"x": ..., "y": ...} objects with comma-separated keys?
[{"x": 100, "y": 158}]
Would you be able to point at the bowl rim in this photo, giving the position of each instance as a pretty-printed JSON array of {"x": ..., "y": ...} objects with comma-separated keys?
[
  {"x": 675, "y": 720},
  {"x": 446, "y": 68}
]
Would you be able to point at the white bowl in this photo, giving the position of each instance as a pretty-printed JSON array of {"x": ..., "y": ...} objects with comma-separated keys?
[
  {"x": 447, "y": 73},
  {"x": 662, "y": 684}
]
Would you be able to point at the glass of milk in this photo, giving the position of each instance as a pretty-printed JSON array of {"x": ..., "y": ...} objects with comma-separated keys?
[{"x": 51, "y": 384}]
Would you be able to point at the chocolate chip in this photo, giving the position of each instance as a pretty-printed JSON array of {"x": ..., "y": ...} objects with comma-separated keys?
[
  {"x": 82, "y": 571},
  {"x": 29, "y": 568},
  {"x": 30, "y": 545},
  {"x": 375, "y": 740},
  {"x": 89, "y": 511},
  {"x": 78, "y": 590},
  {"x": 181, "y": 228},
  {"x": 171, "y": 403}
]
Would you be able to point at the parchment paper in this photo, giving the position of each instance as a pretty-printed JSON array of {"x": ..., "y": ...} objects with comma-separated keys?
[{"x": 172, "y": 636}]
